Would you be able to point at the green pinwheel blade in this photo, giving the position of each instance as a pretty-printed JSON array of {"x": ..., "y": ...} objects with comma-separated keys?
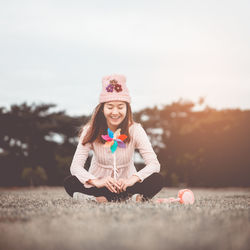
[{"x": 114, "y": 147}]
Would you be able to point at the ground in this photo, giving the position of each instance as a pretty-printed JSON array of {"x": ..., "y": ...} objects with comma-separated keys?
[{"x": 47, "y": 218}]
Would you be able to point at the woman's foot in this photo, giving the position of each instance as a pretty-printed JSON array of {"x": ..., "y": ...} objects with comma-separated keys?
[
  {"x": 137, "y": 198},
  {"x": 101, "y": 199}
]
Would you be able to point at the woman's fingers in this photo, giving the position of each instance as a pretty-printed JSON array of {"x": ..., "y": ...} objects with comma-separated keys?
[
  {"x": 115, "y": 184},
  {"x": 124, "y": 186},
  {"x": 111, "y": 187},
  {"x": 121, "y": 187},
  {"x": 119, "y": 183},
  {"x": 108, "y": 185}
]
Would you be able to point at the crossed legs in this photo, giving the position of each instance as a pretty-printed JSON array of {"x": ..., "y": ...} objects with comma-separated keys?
[{"x": 148, "y": 188}]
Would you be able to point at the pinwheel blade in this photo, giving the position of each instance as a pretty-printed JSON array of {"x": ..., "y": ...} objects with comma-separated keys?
[
  {"x": 110, "y": 133},
  {"x": 109, "y": 143},
  {"x": 117, "y": 133},
  {"x": 122, "y": 137},
  {"x": 114, "y": 147},
  {"x": 121, "y": 144},
  {"x": 106, "y": 138}
]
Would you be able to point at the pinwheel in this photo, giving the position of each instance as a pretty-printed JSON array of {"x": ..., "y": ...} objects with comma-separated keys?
[{"x": 114, "y": 140}]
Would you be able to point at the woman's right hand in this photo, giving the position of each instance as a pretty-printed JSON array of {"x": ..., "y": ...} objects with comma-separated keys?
[{"x": 108, "y": 182}]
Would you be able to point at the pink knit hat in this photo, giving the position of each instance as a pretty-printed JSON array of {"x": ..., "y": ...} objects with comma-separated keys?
[{"x": 114, "y": 89}]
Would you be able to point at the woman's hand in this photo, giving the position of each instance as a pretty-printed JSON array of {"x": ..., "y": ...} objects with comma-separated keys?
[
  {"x": 124, "y": 183},
  {"x": 108, "y": 182}
]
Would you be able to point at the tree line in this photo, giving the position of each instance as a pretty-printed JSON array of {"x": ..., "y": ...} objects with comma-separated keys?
[{"x": 207, "y": 148}]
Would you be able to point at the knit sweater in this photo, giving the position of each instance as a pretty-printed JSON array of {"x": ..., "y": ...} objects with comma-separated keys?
[{"x": 102, "y": 160}]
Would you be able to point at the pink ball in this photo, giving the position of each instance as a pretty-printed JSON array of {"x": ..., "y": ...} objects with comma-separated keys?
[{"x": 186, "y": 196}]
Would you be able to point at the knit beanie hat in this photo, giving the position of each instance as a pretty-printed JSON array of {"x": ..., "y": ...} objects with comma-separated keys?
[{"x": 114, "y": 89}]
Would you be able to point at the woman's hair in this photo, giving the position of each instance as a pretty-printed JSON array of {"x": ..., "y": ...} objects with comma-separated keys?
[{"x": 98, "y": 125}]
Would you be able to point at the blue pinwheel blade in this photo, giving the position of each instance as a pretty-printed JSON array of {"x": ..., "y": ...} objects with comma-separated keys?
[
  {"x": 114, "y": 147},
  {"x": 110, "y": 133}
]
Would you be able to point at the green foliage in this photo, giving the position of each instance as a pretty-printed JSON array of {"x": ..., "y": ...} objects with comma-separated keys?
[
  {"x": 174, "y": 180},
  {"x": 27, "y": 138},
  {"x": 196, "y": 148},
  {"x": 201, "y": 148},
  {"x": 63, "y": 163},
  {"x": 34, "y": 177}
]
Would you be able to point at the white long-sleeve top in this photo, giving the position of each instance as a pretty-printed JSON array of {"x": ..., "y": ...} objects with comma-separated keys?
[{"x": 102, "y": 160}]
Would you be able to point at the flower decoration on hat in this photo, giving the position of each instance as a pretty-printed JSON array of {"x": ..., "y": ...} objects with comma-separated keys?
[
  {"x": 114, "y": 140},
  {"x": 110, "y": 88},
  {"x": 118, "y": 87},
  {"x": 113, "y": 84}
]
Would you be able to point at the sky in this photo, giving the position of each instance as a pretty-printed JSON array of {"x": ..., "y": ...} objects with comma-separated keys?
[{"x": 55, "y": 51}]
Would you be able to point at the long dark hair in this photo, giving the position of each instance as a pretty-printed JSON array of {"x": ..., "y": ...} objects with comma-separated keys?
[{"x": 98, "y": 125}]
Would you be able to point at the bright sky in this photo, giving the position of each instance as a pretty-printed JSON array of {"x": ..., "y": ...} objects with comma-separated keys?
[{"x": 58, "y": 51}]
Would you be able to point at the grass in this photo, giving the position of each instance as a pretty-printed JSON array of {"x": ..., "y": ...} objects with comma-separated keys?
[{"x": 47, "y": 218}]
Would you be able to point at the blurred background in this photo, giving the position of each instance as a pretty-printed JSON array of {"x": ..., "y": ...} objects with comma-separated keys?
[{"x": 187, "y": 67}]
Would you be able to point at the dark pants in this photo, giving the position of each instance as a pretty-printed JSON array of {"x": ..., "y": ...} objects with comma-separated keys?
[{"x": 148, "y": 188}]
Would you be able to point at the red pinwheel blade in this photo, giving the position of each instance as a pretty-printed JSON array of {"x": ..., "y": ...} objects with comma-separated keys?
[{"x": 122, "y": 137}]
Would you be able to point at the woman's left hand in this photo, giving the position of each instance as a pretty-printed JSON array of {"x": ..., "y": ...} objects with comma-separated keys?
[{"x": 124, "y": 183}]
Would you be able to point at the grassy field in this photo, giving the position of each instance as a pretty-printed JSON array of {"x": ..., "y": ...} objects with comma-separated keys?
[{"x": 47, "y": 218}]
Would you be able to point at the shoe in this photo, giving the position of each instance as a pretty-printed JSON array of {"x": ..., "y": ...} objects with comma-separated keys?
[{"x": 83, "y": 197}]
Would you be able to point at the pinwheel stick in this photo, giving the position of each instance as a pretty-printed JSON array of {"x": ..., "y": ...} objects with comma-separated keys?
[{"x": 114, "y": 165}]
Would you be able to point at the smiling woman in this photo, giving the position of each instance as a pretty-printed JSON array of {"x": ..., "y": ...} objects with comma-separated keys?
[
  {"x": 99, "y": 124},
  {"x": 114, "y": 113},
  {"x": 112, "y": 175}
]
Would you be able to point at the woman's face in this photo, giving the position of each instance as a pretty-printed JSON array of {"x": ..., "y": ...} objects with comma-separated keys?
[{"x": 114, "y": 113}]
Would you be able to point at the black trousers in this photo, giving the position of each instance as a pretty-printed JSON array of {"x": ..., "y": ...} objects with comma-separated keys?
[{"x": 148, "y": 188}]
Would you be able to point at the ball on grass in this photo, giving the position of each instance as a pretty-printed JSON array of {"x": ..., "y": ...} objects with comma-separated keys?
[{"x": 186, "y": 196}]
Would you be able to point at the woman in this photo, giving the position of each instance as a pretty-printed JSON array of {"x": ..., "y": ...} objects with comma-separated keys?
[{"x": 112, "y": 176}]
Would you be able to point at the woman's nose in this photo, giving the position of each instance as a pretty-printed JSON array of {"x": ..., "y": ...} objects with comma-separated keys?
[{"x": 115, "y": 111}]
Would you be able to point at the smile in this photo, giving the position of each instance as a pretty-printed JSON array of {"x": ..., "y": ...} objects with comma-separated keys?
[{"x": 115, "y": 118}]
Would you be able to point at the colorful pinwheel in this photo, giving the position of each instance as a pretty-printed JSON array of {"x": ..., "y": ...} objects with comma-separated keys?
[{"x": 114, "y": 140}]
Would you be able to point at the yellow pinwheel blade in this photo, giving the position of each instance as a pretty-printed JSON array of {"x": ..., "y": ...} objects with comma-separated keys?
[
  {"x": 109, "y": 143},
  {"x": 117, "y": 133}
]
